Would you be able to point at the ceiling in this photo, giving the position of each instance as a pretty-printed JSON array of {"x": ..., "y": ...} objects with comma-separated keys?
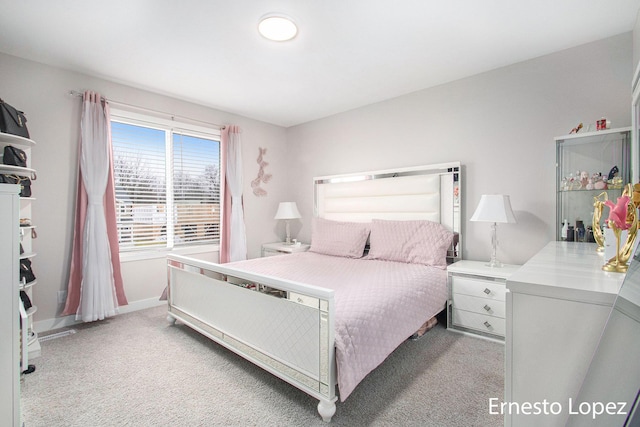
[{"x": 348, "y": 53}]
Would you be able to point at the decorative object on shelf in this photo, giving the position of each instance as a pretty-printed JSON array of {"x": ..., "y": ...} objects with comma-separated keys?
[
  {"x": 622, "y": 216},
  {"x": 598, "y": 205},
  {"x": 598, "y": 182},
  {"x": 495, "y": 208},
  {"x": 565, "y": 229},
  {"x": 576, "y": 129},
  {"x": 262, "y": 177},
  {"x": 603, "y": 124},
  {"x": 580, "y": 231},
  {"x": 12, "y": 121},
  {"x": 287, "y": 211},
  {"x": 14, "y": 156},
  {"x": 584, "y": 179},
  {"x": 25, "y": 183}
]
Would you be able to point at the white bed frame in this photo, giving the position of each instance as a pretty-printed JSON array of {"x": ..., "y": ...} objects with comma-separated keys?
[{"x": 285, "y": 327}]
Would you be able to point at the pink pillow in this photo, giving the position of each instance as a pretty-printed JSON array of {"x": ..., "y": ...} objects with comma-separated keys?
[
  {"x": 337, "y": 238},
  {"x": 415, "y": 242}
]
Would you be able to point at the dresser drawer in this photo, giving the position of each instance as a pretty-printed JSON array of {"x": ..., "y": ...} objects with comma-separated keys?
[
  {"x": 478, "y": 305},
  {"x": 479, "y": 322},
  {"x": 478, "y": 287}
]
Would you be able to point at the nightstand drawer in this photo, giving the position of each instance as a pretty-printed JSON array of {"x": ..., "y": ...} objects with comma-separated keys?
[
  {"x": 266, "y": 253},
  {"x": 480, "y": 322},
  {"x": 478, "y": 287},
  {"x": 478, "y": 305}
]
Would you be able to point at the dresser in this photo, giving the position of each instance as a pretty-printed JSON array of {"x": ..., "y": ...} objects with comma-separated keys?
[{"x": 556, "y": 307}]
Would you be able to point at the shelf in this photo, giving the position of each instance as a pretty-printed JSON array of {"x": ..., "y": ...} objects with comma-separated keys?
[
  {"x": 25, "y": 286},
  {"x": 17, "y": 170},
  {"x": 28, "y": 255},
  {"x": 8, "y": 138},
  {"x": 591, "y": 191},
  {"x": 592, "y": 134}
]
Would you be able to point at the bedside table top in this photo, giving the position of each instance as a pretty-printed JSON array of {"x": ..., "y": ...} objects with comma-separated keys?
[
  {"x": 480, "y": 268},
  {"x": 283, "y": 247}
]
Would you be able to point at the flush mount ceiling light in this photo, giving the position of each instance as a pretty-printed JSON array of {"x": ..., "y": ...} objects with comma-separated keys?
[{"x": 277, "y": 27}]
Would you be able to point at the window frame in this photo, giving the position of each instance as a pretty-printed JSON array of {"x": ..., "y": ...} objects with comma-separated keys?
[{"x": 169, "y": 126}]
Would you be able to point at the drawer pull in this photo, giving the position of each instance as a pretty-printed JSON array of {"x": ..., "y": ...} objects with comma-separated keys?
[
  {"x": 486, "y": 307},
  {"x": 487, "y": 291},
  {"x": 487, "y": 324}
]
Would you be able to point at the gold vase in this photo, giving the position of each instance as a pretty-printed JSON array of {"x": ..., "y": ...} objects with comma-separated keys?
[
  {"x": 598, "y": 205},
  {"x": 619, "y": 263}
]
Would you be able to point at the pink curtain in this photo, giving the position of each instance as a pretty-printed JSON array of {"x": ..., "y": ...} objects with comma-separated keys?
[
  {"x": 74, "y": 288},
  {"x": 233, "y": 241}
]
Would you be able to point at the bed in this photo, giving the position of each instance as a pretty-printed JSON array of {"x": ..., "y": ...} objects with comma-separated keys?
[{"x": 322, "y": 320}]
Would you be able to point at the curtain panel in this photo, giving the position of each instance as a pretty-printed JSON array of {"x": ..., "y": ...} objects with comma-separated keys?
[
  {"x": 233, "y": 240},
  {"x": 95, "y": 288}
]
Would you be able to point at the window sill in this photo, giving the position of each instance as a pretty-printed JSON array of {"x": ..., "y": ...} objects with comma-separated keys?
[{"x": 162, "y": 253}]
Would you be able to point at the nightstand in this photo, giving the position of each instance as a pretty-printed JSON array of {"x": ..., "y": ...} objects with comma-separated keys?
[
  {"x": 281, "y": 248},
  {"x": 477, "y": 298}
]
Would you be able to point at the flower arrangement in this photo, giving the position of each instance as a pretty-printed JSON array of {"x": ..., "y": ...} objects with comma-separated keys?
[{"x": 623, "y": 216}]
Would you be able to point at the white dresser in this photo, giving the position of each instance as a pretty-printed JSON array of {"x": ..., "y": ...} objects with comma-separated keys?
[{"x": 557, "y": 306}]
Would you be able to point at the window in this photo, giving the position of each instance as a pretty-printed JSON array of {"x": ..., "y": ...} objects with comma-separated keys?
[{"x": 167, "y": 182}]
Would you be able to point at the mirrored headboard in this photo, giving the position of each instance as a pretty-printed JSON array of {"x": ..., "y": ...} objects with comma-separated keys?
[{"x": 431, "y": 192}]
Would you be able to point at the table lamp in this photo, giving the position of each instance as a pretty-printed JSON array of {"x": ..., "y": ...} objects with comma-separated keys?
[
  {"x": 287, "y": 211},
  {"x": 495, "y": 208}
]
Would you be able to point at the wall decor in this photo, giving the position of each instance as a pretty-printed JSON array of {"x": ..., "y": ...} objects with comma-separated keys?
[{"x": 262, "y": 176}]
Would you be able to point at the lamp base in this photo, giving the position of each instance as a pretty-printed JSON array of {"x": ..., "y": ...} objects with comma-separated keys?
[{"x": 494, "y": 263}]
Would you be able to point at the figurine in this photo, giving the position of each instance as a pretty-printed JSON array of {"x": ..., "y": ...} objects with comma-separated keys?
[
  {"x": 584, "y": 179},
  {"x": 590, "y": 185},
  {"x": 576, "y": 129},
  {"x": 612, "y": 173}
]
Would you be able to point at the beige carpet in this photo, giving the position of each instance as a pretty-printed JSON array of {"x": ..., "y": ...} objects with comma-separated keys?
[{"x": 137, "y": 370}]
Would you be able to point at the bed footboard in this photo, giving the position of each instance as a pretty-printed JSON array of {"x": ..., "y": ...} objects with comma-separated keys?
[{"x": 286, "y": 328}]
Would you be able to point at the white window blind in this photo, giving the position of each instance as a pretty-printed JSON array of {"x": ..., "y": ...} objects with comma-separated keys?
[{"x": 167, "y": 184}]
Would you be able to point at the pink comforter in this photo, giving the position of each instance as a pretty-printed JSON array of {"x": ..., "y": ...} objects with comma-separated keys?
[{"x": 379, "y": 304}]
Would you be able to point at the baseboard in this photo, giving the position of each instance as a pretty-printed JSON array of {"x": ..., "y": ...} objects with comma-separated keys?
[{"x": 66, "y": 321}]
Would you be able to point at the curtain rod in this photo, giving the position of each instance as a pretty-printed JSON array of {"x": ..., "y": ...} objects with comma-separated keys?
[{"x": 173, "y": 116}]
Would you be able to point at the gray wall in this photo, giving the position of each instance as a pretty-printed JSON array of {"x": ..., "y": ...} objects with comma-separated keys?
[
  {"x": 53, "y": 118},
  {"x": 499, "y": 124}
]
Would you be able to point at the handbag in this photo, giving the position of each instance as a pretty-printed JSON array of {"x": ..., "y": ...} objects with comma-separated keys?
[
  {"x": 25, "y": 183},
  {"x": 12, "y": 121},
  {"x": 13, "y": 156},
  {"x": 26, "y": 301},
  {"x": 26, "y": 272}
]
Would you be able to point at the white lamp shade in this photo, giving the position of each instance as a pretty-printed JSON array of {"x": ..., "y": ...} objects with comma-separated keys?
[
  {"x": 494, "y": 208},
  {"x": 287, "y": 210}
]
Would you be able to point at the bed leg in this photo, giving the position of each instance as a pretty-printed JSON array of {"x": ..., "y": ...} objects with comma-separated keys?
[
  {"x": 171, "y": 319},
  {"x": 326, "y": 409}
]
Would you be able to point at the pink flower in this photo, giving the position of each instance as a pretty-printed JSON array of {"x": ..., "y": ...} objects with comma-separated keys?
[{"x": 618, "y": 212}]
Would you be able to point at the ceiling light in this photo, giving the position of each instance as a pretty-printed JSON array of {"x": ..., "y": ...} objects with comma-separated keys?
[{"x": 278, "y": 28}]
